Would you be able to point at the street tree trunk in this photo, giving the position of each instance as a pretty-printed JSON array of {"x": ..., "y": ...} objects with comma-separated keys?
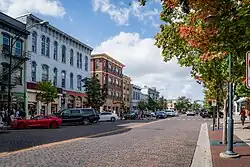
[{"x": 225, "y": 111}]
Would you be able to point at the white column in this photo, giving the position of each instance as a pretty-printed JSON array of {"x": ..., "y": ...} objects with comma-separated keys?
[
  {"x": 49, "y": 109},
  {"x": 66, "y": 102},
  {"x": 38, "y": 107},
  {"x": 101, "y": 108},
  {"x": 59, "y": 106}
]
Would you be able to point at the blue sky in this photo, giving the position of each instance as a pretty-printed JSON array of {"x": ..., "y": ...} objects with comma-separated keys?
[{"x": 123, "y": 31}]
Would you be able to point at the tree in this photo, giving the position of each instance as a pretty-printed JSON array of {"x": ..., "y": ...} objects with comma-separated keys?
[
  {"x": 195, "y": 106},
  {"x": 96, "y": 95},
  {"x": 183, "y": 103},
  {"x": 142, "y": 105},
  {"x": 160, "y": 103},
  {"x": 47, "y": 92},
  {"x": 152, "y": 104}
]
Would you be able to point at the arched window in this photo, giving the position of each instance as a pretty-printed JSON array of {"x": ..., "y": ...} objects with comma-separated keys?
[
  {"x": 55, "y": 77},
  {"x": 86, "y": 63},
  {"x": 71, "y": 81},
  {"x": 63, "y": 79},
  {"x": 43, "y": 45},
  {"x": 71, "y": 61},
  {"x": 55, "y": 50},
  {"x": 63, "y": 54},
  {"x": 34, "y": 41},
  {"x": 33, "y": 71},
  {"x": 79, "y": 82},
  {"x": 47, "y": 47},
  {"x": 45, "y": 72}
]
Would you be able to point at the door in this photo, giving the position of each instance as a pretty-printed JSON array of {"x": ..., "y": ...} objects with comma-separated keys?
[
  {"x": 75, "y": 115},
  {"x": 65, "y": 115},
  {"x": 103, "y": 116}
]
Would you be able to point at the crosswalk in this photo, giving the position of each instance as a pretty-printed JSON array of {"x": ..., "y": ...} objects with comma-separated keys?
[{"x": 189, "y": 119}]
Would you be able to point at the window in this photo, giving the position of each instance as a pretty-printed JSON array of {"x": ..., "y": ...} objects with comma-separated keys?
[
  {"x": 79, "y": 82},
  {"x": 71, "y": 60},
  {"x": 97, "y": 64},
  {"x": 71, "y": 81},
  {"x": 55, "y": 77},
  {"x": 63, "y": 79},
  {"x": 55, "y": 50},
  {"x": 104, "y": 63},
  {"x": 63, "y": 54},
  {"x": 117, "y": 82},
  {"x": 45, "y": 72},
  {"x": 43, "y": 45},
  {"x": 34, "y": 41},
  {"x": 104, "y": 79},
  {"x": 6, "y": 43},
  {"x": 86, "y": 63},
  {"x": 80, "y": 61},
  {"x": 18, "y": 49},
  {"x": 47, "y": 47},
  {"x": 18, "y": 76},
  {"x": 33, "y": 71},
  {"x": 110, "y": 80},
  {"x": 117, "y": 70}
]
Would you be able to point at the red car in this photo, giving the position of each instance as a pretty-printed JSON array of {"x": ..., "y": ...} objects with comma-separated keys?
[{"x": 37, "y": 121}]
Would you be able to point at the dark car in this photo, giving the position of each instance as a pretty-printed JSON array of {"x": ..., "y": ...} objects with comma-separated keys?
[
  {"x": 79, "y": 115},
  {"x": 131, "y": 115},
  {"x": 161, "y": 115},
  {"x": 210, "y": 115}
]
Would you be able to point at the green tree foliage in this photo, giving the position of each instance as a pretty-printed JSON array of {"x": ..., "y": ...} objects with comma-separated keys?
[
  {"x": 96, "y": 95},
  {"x": 196, "y": 106},
  {"x": 142, "y": 105},
  {"x": 160, "y": 104},
  {"x": 47, "y": 92},
  {"x": 152, "y": 104},
  {"x": 183, "y": 103}
]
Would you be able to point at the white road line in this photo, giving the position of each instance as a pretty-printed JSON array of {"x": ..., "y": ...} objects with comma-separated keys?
[
  {"x": 188, "y": 119},
  {"x": 194, "y": 119},
  {"x": 202, "y": 156}
]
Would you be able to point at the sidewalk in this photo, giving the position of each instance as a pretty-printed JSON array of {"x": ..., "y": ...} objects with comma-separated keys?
[{"x": 241, "y": 146}]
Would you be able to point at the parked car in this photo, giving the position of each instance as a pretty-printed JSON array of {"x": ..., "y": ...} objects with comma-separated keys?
[
  {"x": 210, "y": 115},
  {"x": 79, "y": 115},
  {"x": 170, "y": 113},
  {"x": 161, "y": 115},
  {"x": 108, "y": 116},
  {"x": 37, "y": 121},
  {"x": 191, "y": 113},
  {"x": 131, "y": 115}
]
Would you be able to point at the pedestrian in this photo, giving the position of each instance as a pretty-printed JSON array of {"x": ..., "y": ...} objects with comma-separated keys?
[{"x": 243, "y": 117}]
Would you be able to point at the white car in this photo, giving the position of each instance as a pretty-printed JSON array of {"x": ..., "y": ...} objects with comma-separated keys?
[
  {"x": 108, "y": 116},
  {"x": 192, "y": 113}
]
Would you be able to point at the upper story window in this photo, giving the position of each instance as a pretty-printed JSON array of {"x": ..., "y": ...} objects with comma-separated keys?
[
  {"x": 48, "y": 47},
  {"x": 18, "y": 49},
  {"x": 71, "y": 81},
  {"x": 33, "y": 71},
  {"x": 110, "y": 80},
  {"x": 71, "y": 60},
  {"x": 34, "y": 41},
  {"x": 55, "y": 51},
  {"x": 117, "y": 82},
  {"x": 63, "y": 79},
  {"x": 6, "y": 39},
  {"x": 79, "y": 82},
  {"x": 86, "y": 63},
  {"x": 97, "y": 64},
  {"x": 43, "y": 45},
  {"x": 45, "y": 72},
  {"x": 63, "y": 54},
  {"x": 55, "y": 77},
  {"x": 117, "y": 70},
  {"x": 80, "y": 61}
]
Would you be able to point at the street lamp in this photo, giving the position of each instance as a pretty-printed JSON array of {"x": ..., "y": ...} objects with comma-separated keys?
[{"x": 13, "y": 40}]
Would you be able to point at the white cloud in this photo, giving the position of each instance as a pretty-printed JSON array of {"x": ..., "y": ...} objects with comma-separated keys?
[
  {"x": 122, "y": 14},
  {"x": 16, "y": 8},
  {"x": 146, "y": 66}
]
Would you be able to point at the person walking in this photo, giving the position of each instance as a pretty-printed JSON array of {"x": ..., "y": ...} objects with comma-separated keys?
[{"x": 243, "y": 117}]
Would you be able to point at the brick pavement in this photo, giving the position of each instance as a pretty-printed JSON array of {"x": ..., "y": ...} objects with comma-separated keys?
[{"x": 240, "y": 147}]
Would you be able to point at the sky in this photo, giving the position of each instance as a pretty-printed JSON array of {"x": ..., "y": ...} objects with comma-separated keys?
[{"x": 122, "y": 30}]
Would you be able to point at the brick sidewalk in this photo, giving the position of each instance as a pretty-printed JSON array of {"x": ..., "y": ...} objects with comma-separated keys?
[{"x": 240, "y": 147}]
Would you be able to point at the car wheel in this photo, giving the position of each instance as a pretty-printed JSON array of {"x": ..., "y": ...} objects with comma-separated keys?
[
  {"x": 112, "y": 119},
  {"x": 53, "y": 125},
  {"x": 21, "y": 126},
  {"x": 85, "y": 121}
]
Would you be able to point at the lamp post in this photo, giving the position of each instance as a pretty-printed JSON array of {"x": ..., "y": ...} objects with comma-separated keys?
[
  {"x": 13, "y": 40},
  {"x": 229, "y": 153}
]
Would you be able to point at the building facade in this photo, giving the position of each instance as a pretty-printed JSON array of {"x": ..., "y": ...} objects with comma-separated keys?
[
  {"x": 110, "y": 73},
  {"x": 151, "y": 92},
  {"x": 135, "y": 96},
  {"x": 171, "y": 103},
  {"x": 9, "y": 29},
  {"x": 126, "y": 92},
  {"x": 59, "y": 58}
]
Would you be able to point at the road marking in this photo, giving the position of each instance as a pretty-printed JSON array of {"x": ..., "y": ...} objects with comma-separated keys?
[
  {"x": 4, "y": 154},
  {"x": 202, "y": 156}
]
